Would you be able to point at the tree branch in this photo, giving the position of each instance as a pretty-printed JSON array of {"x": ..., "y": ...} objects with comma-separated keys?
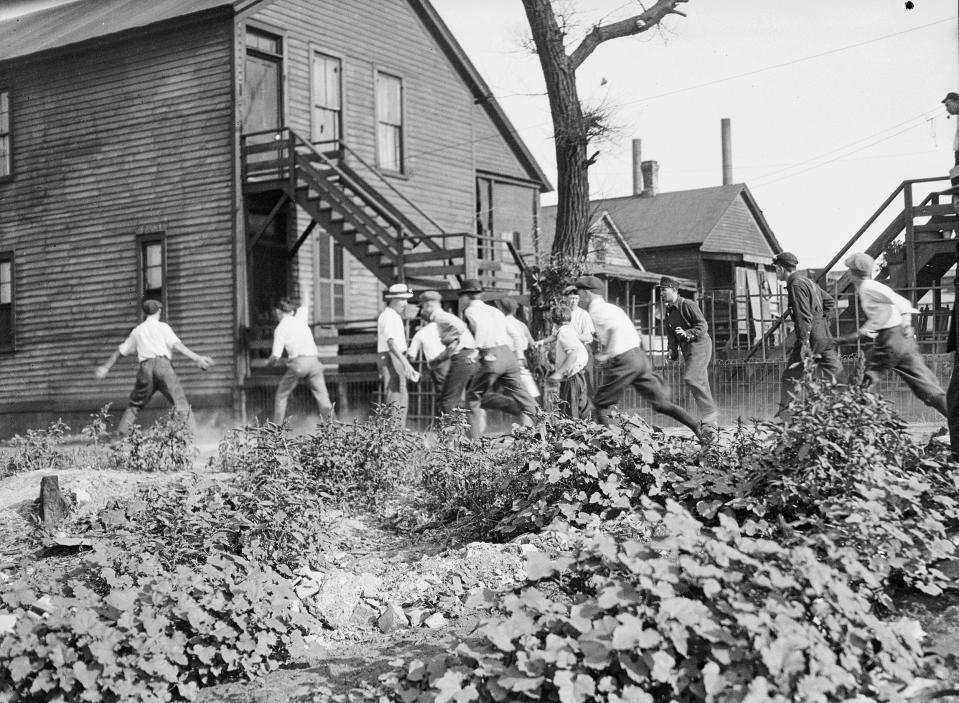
[{"x": 624, "y": 28}]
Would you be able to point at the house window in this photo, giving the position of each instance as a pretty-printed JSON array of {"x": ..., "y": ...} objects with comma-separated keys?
[
  {"x": 152, "y": 268},
  {"x": 389, "y": 122},
  {"x": 262, "y": 82},
  {"x": 331, "y": 282},
  {"x": 7, "y": 293},
  {"x": 6, "y": 146},
  {"x": 327, "y": 104}
]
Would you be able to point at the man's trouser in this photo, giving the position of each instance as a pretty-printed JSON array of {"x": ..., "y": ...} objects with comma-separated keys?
[
  {"x": 952, "y": 403},
  {"x": 497, "y": 368},
  {"x": 824, "y": 357},
  {"x": 895, "y": 348},
  {"x": 461, "y": 367},
  {"x": 632, "y": 368},
  {"x": 696, "y": 356},
  {"x": 154, "y": 375},
  {"x": 394, "y": 384},
  {"x": 574, "y": 396},
  {"x": 301, "y": 368}
]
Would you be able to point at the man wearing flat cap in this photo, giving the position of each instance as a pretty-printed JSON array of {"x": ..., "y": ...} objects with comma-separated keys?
[
  {"x": 809, "y": 306},
  {"x": 153, "y": 342},
  {"x": 391, "y": 347},
  {"x": 497, "y": 367},
  {"x": 627, "y": 364},
  {"x": 687, "y": 331},
  {"x": 888, "y": 322},
  {"x": 459, "y": 351}
]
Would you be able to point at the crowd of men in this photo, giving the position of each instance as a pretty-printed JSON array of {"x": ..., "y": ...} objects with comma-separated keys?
[{"x": 477, "y": 359}]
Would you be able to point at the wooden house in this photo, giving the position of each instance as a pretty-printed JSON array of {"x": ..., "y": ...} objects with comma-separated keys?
[{"x": 220, "y": 154}]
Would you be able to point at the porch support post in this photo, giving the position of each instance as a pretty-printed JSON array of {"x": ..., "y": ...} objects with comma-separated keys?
[
  {"x": 269, "y": 219},
  {"x": 299, "y": 242}
]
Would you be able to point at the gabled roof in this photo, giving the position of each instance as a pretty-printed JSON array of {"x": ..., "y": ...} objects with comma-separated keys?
[
  {"x": 678, "y": 218},
  {"x": 602, "y": 223},
  {"x": 84, "y": 20}
]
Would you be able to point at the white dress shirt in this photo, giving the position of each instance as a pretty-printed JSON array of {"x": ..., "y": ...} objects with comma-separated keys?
[
  {"x": 453, "y": 331},
  {"x": 883, "y": 307},
  {"x": 427, "y": 341},
  {"x": 569, "y": 344},
  {"x": 615, "y": 330},
  {"x": 389, "y": 325},
  {"x": 582, "y": 324},
  {"x": 488, "y": 325},
  {"x": 517, "y": 332},
  {"x": 294, "y": 335},
  {"x": 150, "y": 339}
]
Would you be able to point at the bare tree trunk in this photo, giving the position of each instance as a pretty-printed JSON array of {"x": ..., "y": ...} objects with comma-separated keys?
[{"x": 569, "y": 129}]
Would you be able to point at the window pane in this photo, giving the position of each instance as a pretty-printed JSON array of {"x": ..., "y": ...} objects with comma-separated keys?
[
  {"x": 263, "y": 41},
  {"x": 154, "y": 255},
  {"x": 389, "y": 103},
  {"x": 6, "y": 283},
  {"x": 337, "y": 262},
  {"x": 389, "y": 155},
  {"x": 323, "y": 242},
  {"x": 6, "y": 327},
  {"x": 339, "y": 301},
  {"x": 4, "y": 111}
]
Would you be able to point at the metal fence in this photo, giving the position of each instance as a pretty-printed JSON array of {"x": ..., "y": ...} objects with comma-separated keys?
[{"x": 742, "y": 389}]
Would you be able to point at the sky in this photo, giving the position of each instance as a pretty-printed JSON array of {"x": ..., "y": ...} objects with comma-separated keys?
[{"x": 833, "y": 104}]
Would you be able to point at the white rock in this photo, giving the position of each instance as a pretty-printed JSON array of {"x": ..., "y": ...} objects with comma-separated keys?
[
  {"x": 8, "y": 622},
  {"x": 435, "y": 620},
  {"x": 393, "y": 618}
]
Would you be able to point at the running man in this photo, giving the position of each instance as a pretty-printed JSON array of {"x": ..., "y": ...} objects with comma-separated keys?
[
  {"x": 459, "y": 351},
  {"x": 627, "y": 364},
  {"x": 294, "y": 336}
]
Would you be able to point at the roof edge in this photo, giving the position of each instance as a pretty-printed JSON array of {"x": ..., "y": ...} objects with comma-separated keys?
[
  {"x": 757, "y": 213},
  {"x": 481, "y": 91}
]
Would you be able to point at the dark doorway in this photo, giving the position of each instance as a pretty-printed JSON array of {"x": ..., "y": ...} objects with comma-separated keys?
[{"x": 268, "y": 272}]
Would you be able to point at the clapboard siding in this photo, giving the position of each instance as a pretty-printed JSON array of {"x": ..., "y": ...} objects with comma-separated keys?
[
  {"x": 737, "y": 231},
  {"x": 682, "y": 262},
  {"x": 492, "y": 153},
  {"x": 131, "y": 136}
]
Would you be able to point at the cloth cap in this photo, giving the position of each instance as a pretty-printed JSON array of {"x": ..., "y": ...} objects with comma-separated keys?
[
  {"x": 285, "y": 305},
  {"x": 667, "y": 282},
  {"x": 860, "y": 263},
  {"x": 508, "y": 306},
  {"x": 590, "y": 283},
  {"x": 428, "y": 295},
  {"x": 569, "y": 290},
  {"x": 151, "y": 307},
  {"x": 786, "y": 258},
  {"x": 951, "y": 96},
  {"x": 398, "y": 290},
  {"x": 471, "y": 285}
]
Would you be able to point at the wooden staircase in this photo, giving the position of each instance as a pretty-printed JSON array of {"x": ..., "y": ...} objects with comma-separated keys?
[{"x": 369, "y": 225}]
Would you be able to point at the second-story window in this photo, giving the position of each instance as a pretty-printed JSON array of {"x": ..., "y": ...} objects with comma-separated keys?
[
  {"x": 327, "y": 105},
  {"x": 331, "y": 288},
  {"x": 152, "y": 272},
  {"x": 6, "y": 146},
  {"x": 389, "y": 122}
]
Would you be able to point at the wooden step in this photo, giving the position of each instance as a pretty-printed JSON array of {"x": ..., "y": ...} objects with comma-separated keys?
[
  {"x": 418, "y": 257},
  {"x": 933, "y": 210},
  {"x": 448, "y": 270},
  {"x": 947, "y": 226}
]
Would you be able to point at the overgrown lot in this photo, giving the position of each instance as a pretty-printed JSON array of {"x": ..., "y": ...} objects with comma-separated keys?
[{"x": 603, "y": 564}]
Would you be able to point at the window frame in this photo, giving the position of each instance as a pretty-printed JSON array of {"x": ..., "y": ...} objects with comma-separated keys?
[
  {"x": 9, "y": 134},
  {"x": 280, "y": 34},
  {"x": 10, "y": 255},
  {"x": 402, "y": 171},
  {"x": 142, "y": 241},
  {"x": 326, "y": 245},
  {"x": 314, "y": 50}
]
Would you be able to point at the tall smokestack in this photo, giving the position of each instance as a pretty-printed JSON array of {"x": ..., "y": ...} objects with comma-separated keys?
[
  {"x": 650, "y": 178},
  {"x": 726, "y": 129},
  {"x": 637, "y": 167}
]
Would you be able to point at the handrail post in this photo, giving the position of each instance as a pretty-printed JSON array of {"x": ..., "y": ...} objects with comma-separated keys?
[
  {"x": 910, "y": 249},
  {"x": 399, "y": 259},
  {"x": 291, "y": 160}
]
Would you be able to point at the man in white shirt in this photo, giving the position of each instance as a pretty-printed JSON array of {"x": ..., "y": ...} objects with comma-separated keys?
[
  {"x": 497, "y": 365},
  {"x": 522, "y": 339},
  {"x": 585, "y": 331},
  {"x": 293, "y": 335},
  {"x": 889, "y": 324},
  {"x": 570, "y": 370},
  {"x": 391, "y": 346},
  {"x": 153, "y": 342},
  {"x": 627, "y": 364},
  {"x": 458, "y": 354}
]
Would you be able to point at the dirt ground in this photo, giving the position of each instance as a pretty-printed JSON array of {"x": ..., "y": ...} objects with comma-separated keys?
[{"x": 429, "y": 580}]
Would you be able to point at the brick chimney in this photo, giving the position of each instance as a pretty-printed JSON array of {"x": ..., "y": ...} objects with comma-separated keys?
[
  {"x": 650, "y": 178},
  {"x": 637, "y": 167}
]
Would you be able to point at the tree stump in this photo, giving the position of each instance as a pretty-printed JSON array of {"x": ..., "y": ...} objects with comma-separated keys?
[{"x": 53, "y": 506}]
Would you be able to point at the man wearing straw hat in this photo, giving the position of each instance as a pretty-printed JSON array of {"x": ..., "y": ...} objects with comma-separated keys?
[
  {"x": 391, "y": 346},
  {"x": 497, "y": 366}
]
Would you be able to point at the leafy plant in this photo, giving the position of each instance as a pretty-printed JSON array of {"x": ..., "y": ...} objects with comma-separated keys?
[
  {"x": 167, "y": 446},
  {"x": 99, "y": 425},
  {"x": 704, "y": 614},
  {"x": 37, "y": 449}
]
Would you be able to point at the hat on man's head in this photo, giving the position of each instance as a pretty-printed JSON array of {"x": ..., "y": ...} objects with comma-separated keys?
[
  {"x": 398, "y": 290},
  {"x": 569, "y": 290},
  {"x": 428, "y": 295},
  {"x": 590, "y": 283},
  {"x": 152, "y": 307},
  {"x": 786, "y": 258},
  {"x": 860, "y": 263},
  {"x": 951, "y": 96},
  {"x": 667, "y": 282},
  {"x": 471, "y": 285},
  {"x": 508, "y": 306},
  {"x": 285, "y": 305}
]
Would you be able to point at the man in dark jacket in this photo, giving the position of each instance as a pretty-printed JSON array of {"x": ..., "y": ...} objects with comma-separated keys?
[
  {"x": 809, "y": 305},
  {"x": 687, "y": 332}
]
